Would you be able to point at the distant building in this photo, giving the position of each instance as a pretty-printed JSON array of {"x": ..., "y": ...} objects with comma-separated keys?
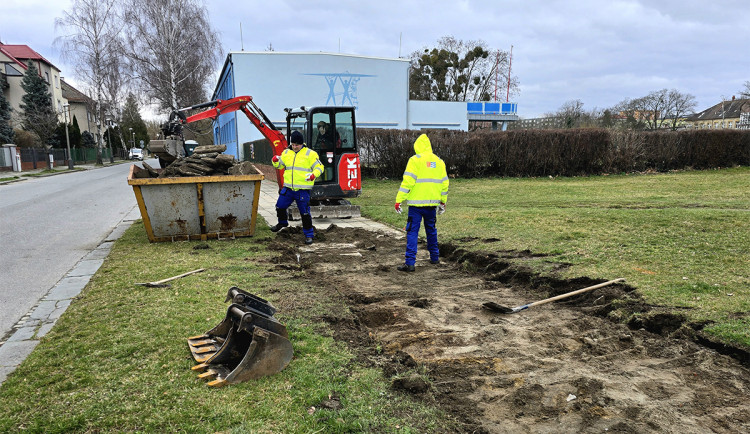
[
  {"x": 14, "y": 60},
  {"x": 80, "y": 106},
  {"x": 377, "y": 87},
  {"x": 734, "y": 114}
]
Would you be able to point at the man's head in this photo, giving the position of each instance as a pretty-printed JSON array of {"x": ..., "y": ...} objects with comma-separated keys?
[
  {"x": 322, "y": 126},
  {"x": 297, "y": 140}
]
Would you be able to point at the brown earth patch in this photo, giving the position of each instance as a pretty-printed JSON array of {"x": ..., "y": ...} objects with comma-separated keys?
[{"x": 569, "y": 366}]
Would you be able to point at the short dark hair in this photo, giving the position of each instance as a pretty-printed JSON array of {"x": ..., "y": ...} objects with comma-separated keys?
[{"x": 297, "y": 138}]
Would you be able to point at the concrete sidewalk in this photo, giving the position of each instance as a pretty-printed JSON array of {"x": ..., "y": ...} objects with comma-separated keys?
[
  {"x": 40, "y": 320},
  {"x": 269, "y": 193}
]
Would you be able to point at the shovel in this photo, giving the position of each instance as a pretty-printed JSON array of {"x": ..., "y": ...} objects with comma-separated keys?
[
  {"x": 163, "y": 283},
  {"x": 491, "y": 305}
]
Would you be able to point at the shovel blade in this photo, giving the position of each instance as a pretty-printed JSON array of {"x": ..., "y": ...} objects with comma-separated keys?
[{"x": 494, "y": 307}]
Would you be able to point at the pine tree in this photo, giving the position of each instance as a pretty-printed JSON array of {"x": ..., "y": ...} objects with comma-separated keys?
[
  {"x": 75, "y": 133},
  {"x": 38, "y": 115},
  {"x": 6, "y": 131},
  {"x": 131, "y": 118}
]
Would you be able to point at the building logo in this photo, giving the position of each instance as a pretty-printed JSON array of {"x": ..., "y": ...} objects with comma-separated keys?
[{"x": 342, "y": 87}]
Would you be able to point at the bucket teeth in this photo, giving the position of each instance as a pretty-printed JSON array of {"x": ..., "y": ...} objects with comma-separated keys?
[
  {"x": 202, "y": 359},
  {"x": 201, "y": 367},
  {"x": 208, "y": 374},
  {"x": 217, "y": 383},
  {"x": 205, "y": 350},
  {"x": 248, "y": 344}
]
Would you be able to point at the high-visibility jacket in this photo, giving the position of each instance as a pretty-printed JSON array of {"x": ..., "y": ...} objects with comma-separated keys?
[
  {"x": 425, "y": 181},
  {"x": 297, "y": 165}
]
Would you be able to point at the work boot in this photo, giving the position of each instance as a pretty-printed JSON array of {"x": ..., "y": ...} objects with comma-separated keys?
[
  {"x": 278, "y": 226},
  {"x": 434, "y": 262},
  {"x": 404, "y": 267},
  {"x": 308, "y": 240}
]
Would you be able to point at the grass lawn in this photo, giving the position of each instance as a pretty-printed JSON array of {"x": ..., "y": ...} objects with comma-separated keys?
[
  {"x": 118, "y": 359},
  {"x": 682, "y": 239}
]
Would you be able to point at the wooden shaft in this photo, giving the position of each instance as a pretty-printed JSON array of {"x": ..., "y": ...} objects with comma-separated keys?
[
  {"x": 177, "y": 277},
  {"x": 579, "y": 291}
]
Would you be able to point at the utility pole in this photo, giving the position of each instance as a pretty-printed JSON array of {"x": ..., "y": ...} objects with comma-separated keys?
[
  {"x": 497, "y": 72},
  {"x": 510, "y": 63},
  {"x": 66, "y": 107}
]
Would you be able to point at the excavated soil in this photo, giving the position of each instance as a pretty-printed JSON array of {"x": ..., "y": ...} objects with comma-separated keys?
[{"x": 560, "y": 367}]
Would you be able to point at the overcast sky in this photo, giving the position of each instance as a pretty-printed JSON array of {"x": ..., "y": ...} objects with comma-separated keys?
[{"x": 597, "y": 51}]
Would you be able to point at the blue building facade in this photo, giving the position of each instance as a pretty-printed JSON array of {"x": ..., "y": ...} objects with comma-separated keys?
[{"x": 378, "y": 88}]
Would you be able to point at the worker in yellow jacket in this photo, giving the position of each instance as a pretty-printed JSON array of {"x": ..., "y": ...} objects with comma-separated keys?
[
  {"x": 425, "y": 189},
  {"x": 301, "y": 166}
]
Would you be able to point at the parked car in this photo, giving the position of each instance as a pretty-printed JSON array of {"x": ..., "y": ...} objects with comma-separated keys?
[{"x": 135, "y": 154}]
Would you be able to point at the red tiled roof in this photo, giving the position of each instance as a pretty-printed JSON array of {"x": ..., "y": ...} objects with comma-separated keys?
[{"x": 19, "y": 52}]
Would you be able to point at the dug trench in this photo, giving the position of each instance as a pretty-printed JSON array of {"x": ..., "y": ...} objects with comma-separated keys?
[{"x": 603, "y": 361}]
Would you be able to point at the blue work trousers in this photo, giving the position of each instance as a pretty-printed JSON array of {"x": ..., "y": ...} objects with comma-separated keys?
[
  {"x": 302, "y": 197},
  {"x": 416, "y": 215}
]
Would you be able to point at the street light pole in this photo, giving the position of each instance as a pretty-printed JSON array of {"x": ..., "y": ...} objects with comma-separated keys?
[
  {"x": 109, "y": 142},
  {"x": 66, "y": 107},
  {"x": 109, "y": 137}
]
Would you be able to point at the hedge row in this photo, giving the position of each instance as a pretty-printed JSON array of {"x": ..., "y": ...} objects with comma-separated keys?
[{"x": 571, "y": 152}]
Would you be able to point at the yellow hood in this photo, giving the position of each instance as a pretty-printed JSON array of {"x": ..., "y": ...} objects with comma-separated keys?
[{"x": 422, "y": 145}]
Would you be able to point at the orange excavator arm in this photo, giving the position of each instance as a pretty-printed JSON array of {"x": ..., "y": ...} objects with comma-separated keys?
[{"x": 248, "y": 107}]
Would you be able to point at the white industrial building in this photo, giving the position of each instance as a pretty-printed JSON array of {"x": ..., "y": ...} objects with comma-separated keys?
[{"x": 377, "y": 87}]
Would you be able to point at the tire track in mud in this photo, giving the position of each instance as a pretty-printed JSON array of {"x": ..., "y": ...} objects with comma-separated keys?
[{"x": 555, "y": 368}]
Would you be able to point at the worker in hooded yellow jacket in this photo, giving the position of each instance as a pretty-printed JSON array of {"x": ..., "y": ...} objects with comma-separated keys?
[{"x": 425, "y": 189}]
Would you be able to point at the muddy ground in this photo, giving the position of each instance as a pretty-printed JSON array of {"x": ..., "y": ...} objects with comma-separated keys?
[{"x": 560, "y": 367}]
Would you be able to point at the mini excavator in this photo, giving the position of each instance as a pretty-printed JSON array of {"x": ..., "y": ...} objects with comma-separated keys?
[{"x": 337, "y": 148}]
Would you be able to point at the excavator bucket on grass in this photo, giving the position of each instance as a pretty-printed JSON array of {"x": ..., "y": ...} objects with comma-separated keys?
[{"x": 249, "y": 343}]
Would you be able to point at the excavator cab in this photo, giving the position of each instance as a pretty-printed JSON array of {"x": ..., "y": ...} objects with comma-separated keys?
[{"x": 332, "y": 133}]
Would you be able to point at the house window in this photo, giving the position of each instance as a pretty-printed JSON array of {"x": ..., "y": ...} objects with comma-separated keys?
[
  {"x": 46, "y": 76},
  {"x": 10, "y": 70},
  {"x": 57, "y": 82}
]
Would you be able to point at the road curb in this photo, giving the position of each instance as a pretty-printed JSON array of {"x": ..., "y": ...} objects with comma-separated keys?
[{"x": 30, "y": 329}]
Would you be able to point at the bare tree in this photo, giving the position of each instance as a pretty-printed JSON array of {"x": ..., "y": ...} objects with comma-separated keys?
[
  {"x": 458, "y": 70},
  {"x": 627, "y": 113},
  {"x": 653, "y": 108},
  {"x": 662, "y": 107},
  {"x": 114, "y": 87},
  {"x": 745, "y": 92},
  {"x": 679, "y": 104},
  {"x": 92, "y": 30},
  {"x": 172, "y": 49}
]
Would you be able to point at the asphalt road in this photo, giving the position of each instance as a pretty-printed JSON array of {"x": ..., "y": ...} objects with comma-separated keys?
[{"x": 48, "y": 224}]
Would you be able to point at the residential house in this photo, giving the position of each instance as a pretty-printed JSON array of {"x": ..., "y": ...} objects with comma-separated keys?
[
  {"x": 80, "y": 106},
  {"x": 14, "y": 60},
  {"x": 734, "y": 114}
]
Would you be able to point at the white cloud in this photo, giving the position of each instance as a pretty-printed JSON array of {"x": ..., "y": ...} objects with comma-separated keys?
[{"x": 598, "y": 52}]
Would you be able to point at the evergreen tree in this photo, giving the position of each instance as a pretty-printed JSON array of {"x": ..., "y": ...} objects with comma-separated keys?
[
  {"x": 6, "y": 131},
  {"x": 38, "y": 116},
  {"x": 131, "y": 118},
  {"x": 75, "y": 133},
  {"x": 87, "y": 140}
]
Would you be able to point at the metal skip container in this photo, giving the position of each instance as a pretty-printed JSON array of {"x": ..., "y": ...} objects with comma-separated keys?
[{"x": 197, "y": 207}]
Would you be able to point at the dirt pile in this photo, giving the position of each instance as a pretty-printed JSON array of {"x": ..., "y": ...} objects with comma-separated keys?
[{"x": 560, "y": 367}]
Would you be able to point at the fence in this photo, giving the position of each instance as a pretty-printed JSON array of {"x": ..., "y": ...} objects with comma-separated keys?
[{"x": 35, "y": 158}]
